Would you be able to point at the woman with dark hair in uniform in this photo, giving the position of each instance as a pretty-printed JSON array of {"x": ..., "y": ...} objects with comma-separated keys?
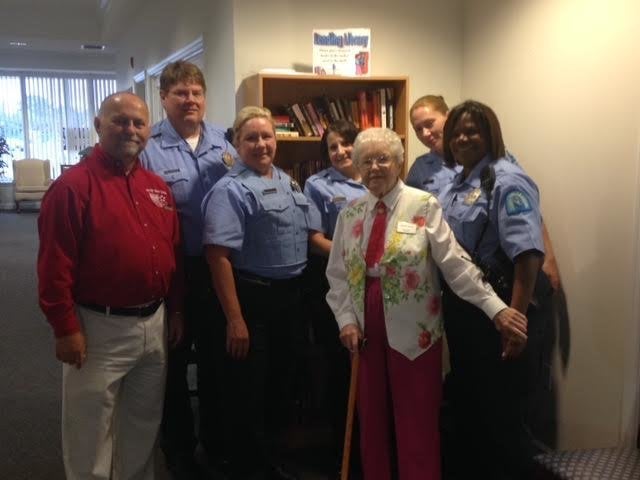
[
  {"x": 493, "y": 209},
  {"x": 257, "y": 226},
  {"x": 431, "y": 172}
]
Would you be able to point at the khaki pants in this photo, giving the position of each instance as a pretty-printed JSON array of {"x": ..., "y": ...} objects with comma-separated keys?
[{"x": 112, "y": 406}]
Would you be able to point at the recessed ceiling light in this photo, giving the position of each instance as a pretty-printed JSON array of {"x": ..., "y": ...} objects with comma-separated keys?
[
  {"x": 88, "y": 46},
  {"x": 18, "y": 44}
]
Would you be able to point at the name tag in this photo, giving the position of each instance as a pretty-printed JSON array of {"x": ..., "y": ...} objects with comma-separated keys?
[
  {"x": 339, "y": 199},
  {"x": 167, "y": 172},
  {"x": 269, "y": 191},
  {"x": 406, "y": 227}
]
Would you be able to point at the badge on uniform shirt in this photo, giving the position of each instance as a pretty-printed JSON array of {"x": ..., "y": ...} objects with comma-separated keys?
[
  {"x": 269, "y": 191},
  {"x": 295, "y": 186},
  {"x": 169, "y": 172},
  {"x": 472, "y": 197},
  {"x": 517, "y": 202},
  {"x": 340, "y": 199},
  {"x": 407, "y": 227},
  {"x": 228, "y": 159}
]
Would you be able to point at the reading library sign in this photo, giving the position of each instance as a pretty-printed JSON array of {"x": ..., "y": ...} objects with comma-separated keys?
[{"x": 342, "y": 52}]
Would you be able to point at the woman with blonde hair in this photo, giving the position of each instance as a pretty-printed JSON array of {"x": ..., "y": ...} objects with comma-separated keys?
[{"x": 257, "y": 225}]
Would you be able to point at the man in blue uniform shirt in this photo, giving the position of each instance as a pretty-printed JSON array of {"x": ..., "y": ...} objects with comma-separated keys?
[{"x": 191, "y": 156}]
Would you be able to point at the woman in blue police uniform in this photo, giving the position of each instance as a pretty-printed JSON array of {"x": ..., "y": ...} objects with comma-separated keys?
[
  {"x": 430, "y": 172},
  {"x": 493, "y": 209},
  {"x": 257, "y": 225},
  {"x": 330, "y": 190},
  {"x": 334, "y": 187}
]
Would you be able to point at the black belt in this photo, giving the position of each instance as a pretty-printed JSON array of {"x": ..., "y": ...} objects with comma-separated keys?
[
  {"x": 253, "y": 279},
  {"x": 143, "y": 311}
]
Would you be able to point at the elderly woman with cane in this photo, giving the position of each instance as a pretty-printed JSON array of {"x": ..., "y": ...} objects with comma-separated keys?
[{"x": 384, "y": 286}]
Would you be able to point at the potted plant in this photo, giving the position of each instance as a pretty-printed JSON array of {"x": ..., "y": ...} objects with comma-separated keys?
[
  {"x": 7, "y": 201},
  {"x": 4, "y": 150}
]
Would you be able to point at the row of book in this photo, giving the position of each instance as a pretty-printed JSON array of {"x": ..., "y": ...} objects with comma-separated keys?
[
  {"x": 303, "y": 170},
  {"x": 369, "y": 108}
]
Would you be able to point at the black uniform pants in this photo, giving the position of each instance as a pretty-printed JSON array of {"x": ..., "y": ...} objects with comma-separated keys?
[
  {"x": 483, "y": 422},
  {"x": 257, "y": 390},
  {"x": 203, "y": 320}
]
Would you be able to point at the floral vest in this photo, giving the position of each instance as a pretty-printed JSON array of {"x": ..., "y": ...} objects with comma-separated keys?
[{"x": 408, "y": 274}]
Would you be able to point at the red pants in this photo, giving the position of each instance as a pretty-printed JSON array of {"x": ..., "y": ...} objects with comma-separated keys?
[{"x": 397, "y": 394}]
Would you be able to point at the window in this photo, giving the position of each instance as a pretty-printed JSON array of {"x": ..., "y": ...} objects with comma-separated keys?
[{"x": 50, "y": 115}]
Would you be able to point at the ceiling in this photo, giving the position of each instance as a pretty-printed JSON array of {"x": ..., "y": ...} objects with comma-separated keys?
[{"x": 59, "y": 26}]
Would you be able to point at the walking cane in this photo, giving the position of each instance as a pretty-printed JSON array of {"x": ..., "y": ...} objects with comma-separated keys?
[{"x": 351, "y": 405}]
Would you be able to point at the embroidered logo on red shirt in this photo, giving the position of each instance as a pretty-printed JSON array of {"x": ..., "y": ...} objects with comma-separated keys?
[{"x": 159, "y": 198}]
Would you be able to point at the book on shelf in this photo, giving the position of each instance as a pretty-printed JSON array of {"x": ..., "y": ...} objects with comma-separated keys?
[
  {"x": 368, "y": 107},
  {"x": 390, "y": 109},
  {"x": 341, "y": 113},
  {"x": 363, "y": 117},
  {"x": 307, "y": 117},
  {"x": 294, "y": 119},
  {"x": 376, "y": 121},
  {"x": 313, "y": 114},
  {"x": 287, "y": 133},
  {"x": 281, "y": 119},
  {"x": 346, "y": 108},
  {"x": 333, "y": 110},
  {"x": 285, "y": 126},
  {"x": 320, "y": 107},
  {"x": 301, "y": 123},
  {"x": 325, "y": 106},
  {"x": 383, "y": 107},
  {"x": 353, "y": 105}
]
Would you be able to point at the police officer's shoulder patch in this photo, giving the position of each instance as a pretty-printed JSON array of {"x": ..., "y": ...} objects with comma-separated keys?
[{"x": 517, "y": 202}]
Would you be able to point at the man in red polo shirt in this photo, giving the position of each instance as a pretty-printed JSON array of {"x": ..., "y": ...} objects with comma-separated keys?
[{"x": 107, "y": 280}]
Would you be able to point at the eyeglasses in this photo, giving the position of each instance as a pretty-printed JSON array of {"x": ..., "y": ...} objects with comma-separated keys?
[{"x": 381, "y": 161}]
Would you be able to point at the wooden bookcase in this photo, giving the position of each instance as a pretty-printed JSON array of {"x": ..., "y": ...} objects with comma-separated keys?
[{"x": 275, "y": 91}]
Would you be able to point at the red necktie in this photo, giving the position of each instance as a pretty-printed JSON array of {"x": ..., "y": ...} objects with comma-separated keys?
[{"x": 375, "y": 247}]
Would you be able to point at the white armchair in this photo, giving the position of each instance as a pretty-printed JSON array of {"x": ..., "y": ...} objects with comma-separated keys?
[{"x": 32, "y": 177}]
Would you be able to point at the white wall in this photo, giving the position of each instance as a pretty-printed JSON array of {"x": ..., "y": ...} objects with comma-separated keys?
[
  {"x": 564, "y": 77},
  {"x": 418, "y": 38},
  {"x": 156, "y": 29},
  {"x": 243, "y": 36}
]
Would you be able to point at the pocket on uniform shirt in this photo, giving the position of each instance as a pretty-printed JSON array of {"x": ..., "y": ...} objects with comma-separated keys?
[
  {"x": 300, "y": 199},
  {"x": 178, "y": 182},
  {"x": 302, "y": 203},
  {"x": 273, "y": 216},
  {"x": 472, "y": 225}
]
